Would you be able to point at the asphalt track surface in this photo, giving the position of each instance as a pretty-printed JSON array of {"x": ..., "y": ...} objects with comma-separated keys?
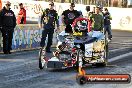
[{"x": 20, "y": 69}]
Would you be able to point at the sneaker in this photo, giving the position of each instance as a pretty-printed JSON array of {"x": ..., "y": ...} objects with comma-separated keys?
[
  {"x": 108, "y": 40},
  {"x": 9, "y": 52},
  {"x": 6, "y": 52}
]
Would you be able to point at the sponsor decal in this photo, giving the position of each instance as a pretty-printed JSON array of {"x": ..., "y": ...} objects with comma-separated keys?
[
  {"x": 83, "y": 78},
  {"x": 71, "y": 16}
]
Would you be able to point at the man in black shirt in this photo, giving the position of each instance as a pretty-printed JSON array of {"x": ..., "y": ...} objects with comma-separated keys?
[
  {"x": 7, "y": 24},
  {"x": 68, "y": 16},
  {"x": 48, "y": 18}
]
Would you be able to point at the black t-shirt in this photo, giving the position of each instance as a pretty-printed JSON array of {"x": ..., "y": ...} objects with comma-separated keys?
[
  {"x": 70, "y": 16},
  {"x": 51, "y": 17},
  {"x": 7, "y": 18},
  {"x": 107, "y": 18}
]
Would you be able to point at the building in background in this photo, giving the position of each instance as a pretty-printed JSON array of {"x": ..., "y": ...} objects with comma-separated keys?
[{"x": 129, "y": 3}]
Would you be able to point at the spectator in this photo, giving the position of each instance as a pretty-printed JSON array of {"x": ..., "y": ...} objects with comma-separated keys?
[
  {"x": 80, "y": 12},
  {"x": 68, "y": 16},
  {"x": 97, "y": 20},
  {"x": 107, "y": 23},
  {"x": 21, "y": 19},
  {"x": 100, "y": 10},
  {"x": 7, "y": 24},
  {"x": 0, "y": 4},
  {"x": 93, "y": 11},
  {"x": 48, "y": 18}
]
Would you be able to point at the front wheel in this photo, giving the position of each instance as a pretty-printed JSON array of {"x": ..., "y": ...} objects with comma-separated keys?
[
  {"x": 42, "y": 57},
  {"x": 79, "y": 57}
]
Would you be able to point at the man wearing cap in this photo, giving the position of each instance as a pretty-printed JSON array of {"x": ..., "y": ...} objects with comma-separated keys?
[
  {"x": 21, "y": 19},
  {"x": 7, "y": 24},
  {"x": 101, "y": 10},
  {"x": 97, "y": 20},
  {"x": 48, "y": 18},
  {"x": 68, "y": 16}
]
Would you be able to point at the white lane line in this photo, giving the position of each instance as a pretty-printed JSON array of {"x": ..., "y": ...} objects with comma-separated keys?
[
  {"x": 129, "y": 43},
  {"x": 119, "y": 57},
  {"x": 114, "y": 50}
]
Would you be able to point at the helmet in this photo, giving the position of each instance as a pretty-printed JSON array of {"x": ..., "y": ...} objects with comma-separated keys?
[
  {"x": 51, "y": 3},
  {"x": 72, "y": 4},
  {"x": 80, "y": 25}
]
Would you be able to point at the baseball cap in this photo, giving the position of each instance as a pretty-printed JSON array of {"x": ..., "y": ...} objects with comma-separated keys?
[
  {"x": 99, "y": 6},
  {"x": 8, "y": 3},
  {"x": 20, "y": 4},
  {"x": 51, "y": 3},
  {"x": 72, "y": 4},
  {"x": 105, "y": 9}
]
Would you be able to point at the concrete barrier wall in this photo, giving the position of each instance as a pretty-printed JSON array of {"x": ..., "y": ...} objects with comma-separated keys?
[
  {"x": 121, "y": 18},
  {"x": 27, "y": 37}
]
